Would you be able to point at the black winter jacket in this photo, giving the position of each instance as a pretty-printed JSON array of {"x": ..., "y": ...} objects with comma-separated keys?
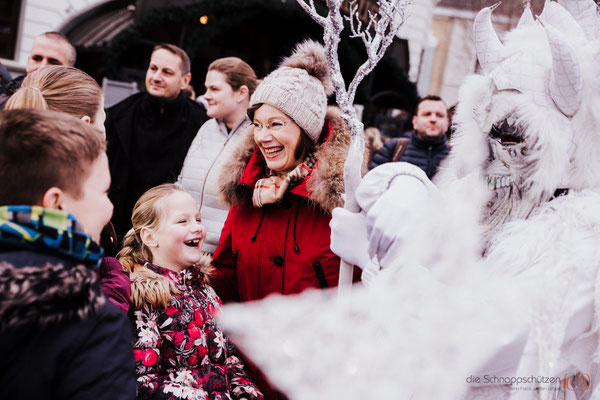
[
  {"x": 147, "y": 143},
  {"x": 10, "y": 89},
  {"x": 59, "y": 336},
  {"x": 426, "y": 155}
]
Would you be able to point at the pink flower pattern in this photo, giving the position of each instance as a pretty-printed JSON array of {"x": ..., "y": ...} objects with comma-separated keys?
[{"x": 181, "y": 352}]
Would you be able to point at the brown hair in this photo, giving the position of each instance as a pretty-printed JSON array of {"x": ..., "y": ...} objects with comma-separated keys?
[
  {"x": 59, "y": 37},
  {"x": 40, "y": 149},
  {"x": 237, "y": 73},
  {"x": 59, "y": 88},
  {"x": 186, "y": 65}
]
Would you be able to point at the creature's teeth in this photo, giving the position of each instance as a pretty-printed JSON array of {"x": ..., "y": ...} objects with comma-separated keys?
[
  {"x": 506, "y": 181},
  {"x": 492, "y": 183}
]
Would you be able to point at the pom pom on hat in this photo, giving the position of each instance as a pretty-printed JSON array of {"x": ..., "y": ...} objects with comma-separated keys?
[
  {"x": 310, "y": 56},
  {"x": 299, "y": 88}
]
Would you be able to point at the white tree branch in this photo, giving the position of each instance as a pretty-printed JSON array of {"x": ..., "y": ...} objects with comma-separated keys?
[
  {"x": 309, "y": 7},
  {"x": 376, "y": 37}
]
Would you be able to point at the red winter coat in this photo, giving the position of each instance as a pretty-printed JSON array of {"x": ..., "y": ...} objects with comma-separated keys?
[
  {"x": 280, "y": 248},
  {"x": 284, "y": 247}
]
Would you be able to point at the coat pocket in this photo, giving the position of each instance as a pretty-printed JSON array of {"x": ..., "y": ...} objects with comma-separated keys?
[{"x": 320, "y": 275}]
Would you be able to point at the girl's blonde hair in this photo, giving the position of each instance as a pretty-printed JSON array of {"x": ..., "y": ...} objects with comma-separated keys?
[
  {"x": 59, "y": 88},
  {"x": 146, "y": 214},
  {"x": 147, "y": 286}
]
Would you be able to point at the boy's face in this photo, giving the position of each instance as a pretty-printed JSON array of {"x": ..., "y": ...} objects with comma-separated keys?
[{"x": 92, "y": 209}]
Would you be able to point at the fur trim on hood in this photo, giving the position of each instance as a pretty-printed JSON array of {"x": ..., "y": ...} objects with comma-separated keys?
[
  {"x": 45, "y": 294},
  {"x": 149, "y": 287},
  {"x": 326, "y": 183}
]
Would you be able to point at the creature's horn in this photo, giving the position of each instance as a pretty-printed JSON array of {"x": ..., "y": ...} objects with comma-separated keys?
[
  {"x": 526, "y": 17},
  {"x": 585, "y": 13},
  {"x": 487, "y": 45},
  {"x": 566, "y": 85}
]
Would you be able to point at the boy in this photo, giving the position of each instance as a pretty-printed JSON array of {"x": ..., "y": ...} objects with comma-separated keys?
[{"x": 59, "y": 337}]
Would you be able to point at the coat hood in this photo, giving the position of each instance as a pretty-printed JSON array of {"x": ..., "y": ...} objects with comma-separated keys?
[
  {"x": 38, "y": 290},
  {"x": 151, "y": 287},
  {"x": 324, "y": 185}
]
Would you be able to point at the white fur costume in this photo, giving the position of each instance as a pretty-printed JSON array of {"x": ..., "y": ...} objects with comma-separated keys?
[{"x": 525, "y": 308}]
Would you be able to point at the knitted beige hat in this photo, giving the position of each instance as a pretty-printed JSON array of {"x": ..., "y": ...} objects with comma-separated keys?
[{"x": 299, "y": 88}]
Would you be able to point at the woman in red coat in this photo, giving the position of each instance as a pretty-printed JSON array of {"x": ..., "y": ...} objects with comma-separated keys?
[{"x": 282, "y": 183}]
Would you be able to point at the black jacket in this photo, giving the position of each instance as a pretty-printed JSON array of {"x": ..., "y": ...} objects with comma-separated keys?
[
  {"x": 59, "y": 337},
  {"x": 147, "y": 144},
  {"x": 426, "y": 155},
  {"x": 10, "y": 88}
]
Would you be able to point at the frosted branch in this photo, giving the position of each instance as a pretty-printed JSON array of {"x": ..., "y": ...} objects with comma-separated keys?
[
  {"x": 376, "y": 37},
  {"x": 309, "y": 7}
]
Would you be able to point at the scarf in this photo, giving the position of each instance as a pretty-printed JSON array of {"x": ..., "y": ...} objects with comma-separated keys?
[
  {"x": 271, "y": 189},
  {"x": 35, "y": 227}
]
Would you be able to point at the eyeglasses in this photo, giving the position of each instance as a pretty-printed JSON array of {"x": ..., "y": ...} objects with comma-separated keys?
[{"x": 273, "y": 126}]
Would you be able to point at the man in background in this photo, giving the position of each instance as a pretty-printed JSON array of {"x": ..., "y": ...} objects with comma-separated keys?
[
  {"x": 149, "y": 133},
  {"x": 426, "y": 147},
  {"x": 50, "y": 48}
]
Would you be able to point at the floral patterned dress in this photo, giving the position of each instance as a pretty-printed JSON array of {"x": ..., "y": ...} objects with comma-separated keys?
[{"x": 181, "y": 352}]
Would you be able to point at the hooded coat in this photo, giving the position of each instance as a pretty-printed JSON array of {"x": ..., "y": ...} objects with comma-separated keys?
[
  {"x": 56, "y": 331},
  {"x": 283, "y": 247}
]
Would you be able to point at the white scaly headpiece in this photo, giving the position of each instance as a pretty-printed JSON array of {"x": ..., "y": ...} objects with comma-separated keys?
[
  {"x": 562, "y": 20},
  {"x": 487, "y": 44},
  {"x": 526, "y": 18},
  {"x": 585, "y": 13},
  {"x": 564, "y": 91},
  {"x": 566, "y": 84}
]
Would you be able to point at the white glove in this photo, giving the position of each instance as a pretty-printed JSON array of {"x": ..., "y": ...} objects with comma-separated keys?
[
  {"x": 392, "y": 218},
  {"x": 349, "y": 237}
]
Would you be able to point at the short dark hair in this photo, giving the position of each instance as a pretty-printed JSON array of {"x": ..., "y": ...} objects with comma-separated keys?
[
  {"x": 186, "y": 65},
  {"x": 40, "y": 149},
  {"x": 431, "y": 97},
  {"x": 59, "y": 37}
]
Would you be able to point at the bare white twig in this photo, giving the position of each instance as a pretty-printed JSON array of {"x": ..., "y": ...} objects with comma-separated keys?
[{"x": 376, "y": 36}]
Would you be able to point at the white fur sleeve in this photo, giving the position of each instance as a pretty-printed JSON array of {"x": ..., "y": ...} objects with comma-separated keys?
[{"x": 397, "y": 176}]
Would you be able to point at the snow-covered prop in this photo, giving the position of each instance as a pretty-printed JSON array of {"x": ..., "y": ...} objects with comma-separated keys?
[
  {"x": 379, "y": 33},
  {"x": 510, "y": 285}
]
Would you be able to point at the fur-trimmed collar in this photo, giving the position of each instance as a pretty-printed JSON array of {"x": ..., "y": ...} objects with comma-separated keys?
[
  {"x": 149, "y": 286},
  {"x": 326, "y": 181},
  {"x": 39, "y": 290}
]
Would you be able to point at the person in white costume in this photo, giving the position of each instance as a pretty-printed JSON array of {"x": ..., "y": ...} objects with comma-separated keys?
[
  {"x": 229, "y": 84},
  {"x": 483, "y": 294}
]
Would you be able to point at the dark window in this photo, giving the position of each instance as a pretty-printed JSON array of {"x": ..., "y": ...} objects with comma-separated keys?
[{"x": 9, "y": 24}]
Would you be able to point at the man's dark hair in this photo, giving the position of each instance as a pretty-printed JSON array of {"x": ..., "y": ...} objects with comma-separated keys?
[
  {"x": 431, "y": 97},
  {"x": 40, "y": 149},
  {"x": 186, "y": 65}
]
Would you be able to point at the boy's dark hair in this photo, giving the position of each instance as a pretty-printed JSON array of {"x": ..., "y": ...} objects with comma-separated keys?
[
  {"x": 40, "y": 149},
  {"x": 429, "y": 97}
]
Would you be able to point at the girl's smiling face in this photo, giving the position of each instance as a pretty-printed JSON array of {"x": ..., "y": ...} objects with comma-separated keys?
[{"x": 176, "y": 243}]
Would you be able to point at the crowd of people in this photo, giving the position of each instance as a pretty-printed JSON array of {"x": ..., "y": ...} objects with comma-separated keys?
[
  {"x": 164, "y": 212},
  {"x": 123, "y": 231}
]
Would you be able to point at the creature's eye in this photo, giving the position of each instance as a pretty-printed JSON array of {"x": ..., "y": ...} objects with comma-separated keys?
[{"x": 506, "y": 134}]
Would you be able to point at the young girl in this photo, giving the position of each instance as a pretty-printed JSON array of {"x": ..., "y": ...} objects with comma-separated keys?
[{"x": 180, "y": 351}]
